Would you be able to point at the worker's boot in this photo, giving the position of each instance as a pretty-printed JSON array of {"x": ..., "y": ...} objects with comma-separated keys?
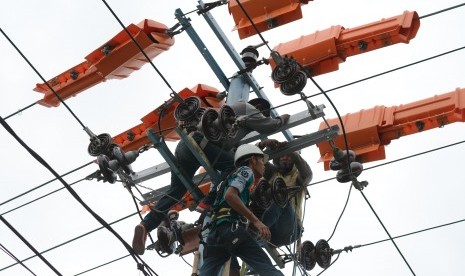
[{"x": 138, "y": 242}]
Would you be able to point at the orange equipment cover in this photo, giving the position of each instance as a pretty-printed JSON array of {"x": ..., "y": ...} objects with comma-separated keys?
[
  {"x": 117, "y": 58},
  {"x": 265, "y": 14},
  {"x": 369, "y": 130},
  {"x": 135, "y": 137},
  {"x": 188, "y": 201},
  {"x": 322, "y": 51}
]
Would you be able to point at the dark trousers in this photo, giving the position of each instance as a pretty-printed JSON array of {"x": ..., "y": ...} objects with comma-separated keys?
[
  {"x": 187, "y": 161},
  {"x": 227, "y": 240}
]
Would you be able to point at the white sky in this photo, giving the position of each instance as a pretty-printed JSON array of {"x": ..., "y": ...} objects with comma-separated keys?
[{"x": 410, "y": 195}]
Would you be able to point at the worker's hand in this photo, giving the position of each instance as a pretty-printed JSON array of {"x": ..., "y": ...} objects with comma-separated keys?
[
  {"x": 272, "y": 144},
  {"x": 263, "y": 230}
]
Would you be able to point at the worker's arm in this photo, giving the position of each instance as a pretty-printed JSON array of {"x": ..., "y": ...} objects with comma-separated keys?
[
  {"x": 305, "y": 172},
  {"x": 234, "y": 201}
]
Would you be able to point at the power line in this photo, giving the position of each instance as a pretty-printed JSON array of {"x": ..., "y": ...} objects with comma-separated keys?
[
  {"x": 41, "y": 185},
  {"x": 4, "y": 249},
  {"x": 102, "y": 265},
  {"x": 396, "y": 160},
  {"x": 138, "y": 46},
  {"x": 29, "y": 245},
  {"x": 72, "y": 192},
  {"x": 38, "y": 198},
  {"x": 42, "y": 78},
  {"x": 387, "y": 232},
  {"x": 441, "y": 11},
  {"x": 69, "y": 241}
]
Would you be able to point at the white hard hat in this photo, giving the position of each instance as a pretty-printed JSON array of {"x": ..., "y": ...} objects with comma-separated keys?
[{"x": 246, "y": 150}]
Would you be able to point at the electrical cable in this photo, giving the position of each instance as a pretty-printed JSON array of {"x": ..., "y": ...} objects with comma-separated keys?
[
  {"x": 38, "y": 198},
  {"x": 43, "y": 79},
  {"x": 330, "y": 264},
  {"x": 4, "y": 249},
  {"x": 387, "y": 232},
  {"x": 19, "y": 111},
  {"x": 102, "y": 265},
  {"x": 415, "y": 232},
  {"x": 29, "y": 245},
  {"x": 41, "y": 185},
  {"x": 441, "y": 11},
  {"x": 71, "y": 191},
  {"x": 340, "y": 216},
  {"x": 138, "y": 45},
  {"x": 69, "y": 241},
  {"x": 396, "y": 160}
]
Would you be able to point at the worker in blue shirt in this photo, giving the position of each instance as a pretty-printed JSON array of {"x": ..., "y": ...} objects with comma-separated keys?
[{"x": 228, "y": 235}]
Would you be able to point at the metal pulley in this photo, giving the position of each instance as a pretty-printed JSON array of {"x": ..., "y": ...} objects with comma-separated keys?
[
  {"x": 279, "y": 192},
  {"x": 99, "y": 144}
]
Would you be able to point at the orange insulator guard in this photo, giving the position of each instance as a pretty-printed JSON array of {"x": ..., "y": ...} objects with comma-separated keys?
[
  {"x": 117, "y": 58},
  {"x": 369, "y": 130},
  {"x": 322, "y": 51},
  {"x": 136, "y": 137},
  {"x": 265, "y": 14}
]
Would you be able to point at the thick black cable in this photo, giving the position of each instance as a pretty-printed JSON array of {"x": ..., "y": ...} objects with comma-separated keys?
[
  {"x": 99, "y": 266},
  {"x": 4, "y": 249},
  {"x": 29, "y": 245},
  {"x": 340, "y": 216},
  {"x": 19, "y": 111},
  {"x": 70, "y": 190},
  {"x": 441, "y": 11},
  {"x": 43, "y": 79},
  {"x": 138, "y": 45},
  {"x": 69, "y": 241},
  {"x": 38, "y": 198},
  {"x": 387, "y": 232},
  {"x": 396, "y": 160},
  {"x": 41, "y": 185}
]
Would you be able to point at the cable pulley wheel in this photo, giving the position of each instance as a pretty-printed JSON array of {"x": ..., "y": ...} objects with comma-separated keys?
[
  {"x": 261, "y": 195},
  {"x": 323, "y": 253},
  {"x": 210, "y": 127},
  {"x": 279, "y": 192},
  {"x": 100, "y": 144},
  {"x": 307, "y": 255},
  {"x": 185, "y": 111},
  {"x": 294, "y": 85},
  {"x": 104, "y": 165},
  {"x": 227, "y": 117},
  {"x": 284, "y": 71}
]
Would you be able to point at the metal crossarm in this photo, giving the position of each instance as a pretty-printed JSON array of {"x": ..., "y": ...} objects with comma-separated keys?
[{"x": 173, "y": 163}]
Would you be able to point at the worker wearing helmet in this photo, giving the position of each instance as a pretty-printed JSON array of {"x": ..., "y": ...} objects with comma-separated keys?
[
  {"x": 228, "y": 236},
  {"x": 295, "y": 172},
  {"x": 222, "y": 156}
]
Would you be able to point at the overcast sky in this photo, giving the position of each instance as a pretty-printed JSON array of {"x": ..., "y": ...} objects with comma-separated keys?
[{"x": 408, "y": 196}]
